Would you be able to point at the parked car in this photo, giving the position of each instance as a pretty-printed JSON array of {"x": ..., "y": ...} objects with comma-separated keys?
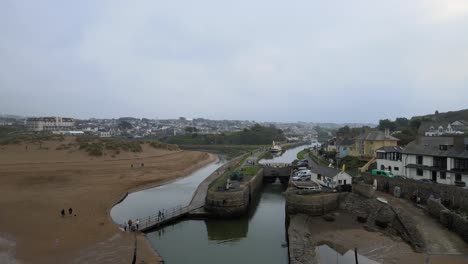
[
  {"x": 426, "y": 181},
  {"x": 382, "y": 173},
  {"x": 303, "y": 177},
  {"x": 302, "y": 172},
  {"x": 302, "y": 164}
]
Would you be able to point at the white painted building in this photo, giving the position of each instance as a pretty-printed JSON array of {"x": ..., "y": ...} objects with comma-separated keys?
[
  {"x": 105, "y": 134},
  {"x": 39, "y": 124},
  {"x": 389, "y": 158},
  {"x": 440, "y": 159},
  {"x": 330, "y": 177}
]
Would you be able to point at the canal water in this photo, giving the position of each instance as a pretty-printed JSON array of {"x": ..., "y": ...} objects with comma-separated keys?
[
  {"x": 148, "y": 202},
  {"x": 284, "y": 157},
  {"x": 258, "y": 237}
]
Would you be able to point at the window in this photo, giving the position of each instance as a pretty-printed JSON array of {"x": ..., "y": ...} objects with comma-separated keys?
[
  {"x": 396, "y": 169},
  {"x": 458, "y": 177},
  {"x": 419, "y": 172},
  {"x": 443, "y": 147},
  {"x": 443, "y": 175},
  {"x": 339, "y": 181},
  {"x": 344, "y": 182},
  {"x": 382, "y": 167},
  {"x": 319, "y": 177},
  {"x": 461, "y": 164},
  {"x": 440, "y": 162},
  {"x": 419, "y": 160}
]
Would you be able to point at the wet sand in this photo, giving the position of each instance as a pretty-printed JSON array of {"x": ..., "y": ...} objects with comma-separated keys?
[
  {"x": 35, "y": 184},
  {"x": 345, "y": 234}
]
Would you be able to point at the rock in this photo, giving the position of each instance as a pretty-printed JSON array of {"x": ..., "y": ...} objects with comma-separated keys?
[
  {"x": 384, "y": 216},
  {"x": 446, "y": 218},
  {"x": 362, "y": 217},
  {"x": 329, "y": 218}
]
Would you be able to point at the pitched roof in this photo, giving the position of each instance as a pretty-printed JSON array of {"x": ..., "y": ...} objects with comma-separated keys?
[
  {"x": 426, "y": 126},
  {"x": 376, "y": 135},
  {"x": 391, "y": 149},
  {"x": 345, "y": 142},
  {"x": 430, "y": 146},
  {"x": 325, "y": 171}
]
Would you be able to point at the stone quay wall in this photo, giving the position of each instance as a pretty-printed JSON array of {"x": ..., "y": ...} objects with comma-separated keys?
[
  {"x": 447, "y": 218},
  {"x": 457, "y": 196},
  {"x": 224, "y": 204},
  {"x": 314, "y": 204}
]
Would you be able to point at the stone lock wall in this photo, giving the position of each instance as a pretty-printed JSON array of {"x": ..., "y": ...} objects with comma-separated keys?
[
  {"x": 233, "y": 203},
  {"x": 314, "y": 204}
]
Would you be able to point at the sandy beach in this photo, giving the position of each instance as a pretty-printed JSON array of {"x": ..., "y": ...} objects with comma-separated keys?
[{"x": 36, "y": 183}]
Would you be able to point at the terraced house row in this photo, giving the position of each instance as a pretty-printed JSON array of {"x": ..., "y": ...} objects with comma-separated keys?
[{"x": 439, "y": 159}]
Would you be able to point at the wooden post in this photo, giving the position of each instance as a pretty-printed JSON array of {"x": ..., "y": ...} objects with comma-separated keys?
[{"x": 355, "y": 256}]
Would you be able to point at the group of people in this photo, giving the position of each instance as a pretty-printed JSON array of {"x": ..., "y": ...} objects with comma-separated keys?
[
  {"x": 141, "y": 165},
  {"x": 70, "y": 212},
  {"x": 132, "y": 226}
]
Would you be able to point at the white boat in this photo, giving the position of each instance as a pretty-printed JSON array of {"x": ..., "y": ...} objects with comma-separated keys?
[{"x": 275, "y": 148}]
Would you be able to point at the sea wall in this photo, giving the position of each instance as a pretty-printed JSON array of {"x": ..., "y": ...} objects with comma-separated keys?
[
  {"x": 314, "y": 204},
  {"x": 456, "y": 196},
  {"x": 233, "y": 203}
]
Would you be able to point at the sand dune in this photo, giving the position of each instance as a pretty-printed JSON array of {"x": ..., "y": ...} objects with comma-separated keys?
[{"x": 36, "y": 183}]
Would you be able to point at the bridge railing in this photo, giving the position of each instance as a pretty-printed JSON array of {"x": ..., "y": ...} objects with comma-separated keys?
[{"x": 165, "y": 215}]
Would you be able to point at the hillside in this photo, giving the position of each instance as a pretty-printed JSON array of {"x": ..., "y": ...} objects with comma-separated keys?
[
  {"x": 450, "y": 116},
  {"x": 257, "y": 135}
]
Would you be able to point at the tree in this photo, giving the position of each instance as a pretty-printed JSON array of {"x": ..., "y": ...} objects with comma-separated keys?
[
  {"x": 437, "y": 112},
  {"x": 190, "y": 129},
  {"x": 387, "y": 124},
  {"x": 401, "y": 122},
  {"x": 124, "y": 125}
]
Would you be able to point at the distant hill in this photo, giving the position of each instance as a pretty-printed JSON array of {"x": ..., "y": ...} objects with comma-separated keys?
[{"x": 448, "y": 117}]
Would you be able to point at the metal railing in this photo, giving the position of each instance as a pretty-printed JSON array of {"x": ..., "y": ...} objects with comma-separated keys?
[{"x": 166, "y": 215}]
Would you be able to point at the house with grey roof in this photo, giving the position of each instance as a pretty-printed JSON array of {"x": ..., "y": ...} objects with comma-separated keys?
[
  {"x": 329, "y": 177},
  {"x": 366, "y": 144},
  {"x": 389, "y": 159},
  {"x": 344, "y": 147},
  {"x": 435, "y": 129},
  {"x": 440, "y": 159}
]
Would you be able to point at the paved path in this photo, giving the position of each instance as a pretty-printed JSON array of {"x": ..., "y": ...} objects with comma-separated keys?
[{"x": 438, "y": 239}]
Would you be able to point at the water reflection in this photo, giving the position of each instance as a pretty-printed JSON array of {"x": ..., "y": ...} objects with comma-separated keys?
[
  {"x": 255, "y": 238},
  {"x": 327, "y": 254}
]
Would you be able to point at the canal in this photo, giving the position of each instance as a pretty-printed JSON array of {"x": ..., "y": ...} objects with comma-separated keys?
[
  {"x": 286, "y": 156},
  {"x": 258, "y": 237}
]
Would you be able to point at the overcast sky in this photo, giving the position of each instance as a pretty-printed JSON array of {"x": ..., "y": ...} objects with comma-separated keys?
[{"x": 264, "y": 60}]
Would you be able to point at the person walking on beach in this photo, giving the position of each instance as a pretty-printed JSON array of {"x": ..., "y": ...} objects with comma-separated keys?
[
  {"x": 70, "y": 211},
  {"x": 130, "y": 224},
  {"x": 62, "y": 212},
  {"x": 125, "y": 227},
  {"x": 137, "y": 224},
  {"x": 159, "y": 215}
]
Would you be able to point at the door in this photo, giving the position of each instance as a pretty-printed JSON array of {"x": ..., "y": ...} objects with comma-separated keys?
[{"x": 434, "y": 176}]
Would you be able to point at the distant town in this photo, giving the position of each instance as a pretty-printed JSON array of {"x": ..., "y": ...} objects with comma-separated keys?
[{"x": 131, "y": 127}]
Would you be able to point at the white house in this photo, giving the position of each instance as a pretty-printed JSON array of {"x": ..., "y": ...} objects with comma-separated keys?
[
  {"x": 329, "y": 177},
  {"x": 49, "y": 123},
  {"x": 389, "y": 159},
  {"x": 440, "y": 159}
]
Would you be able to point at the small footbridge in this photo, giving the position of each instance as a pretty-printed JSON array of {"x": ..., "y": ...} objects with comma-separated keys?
[{"x": 166, "y": 216}]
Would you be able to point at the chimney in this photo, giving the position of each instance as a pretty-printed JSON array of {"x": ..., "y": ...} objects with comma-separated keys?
[
  {"x": 459, "y": 143},
  {"x": 387, "y": 132}
]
